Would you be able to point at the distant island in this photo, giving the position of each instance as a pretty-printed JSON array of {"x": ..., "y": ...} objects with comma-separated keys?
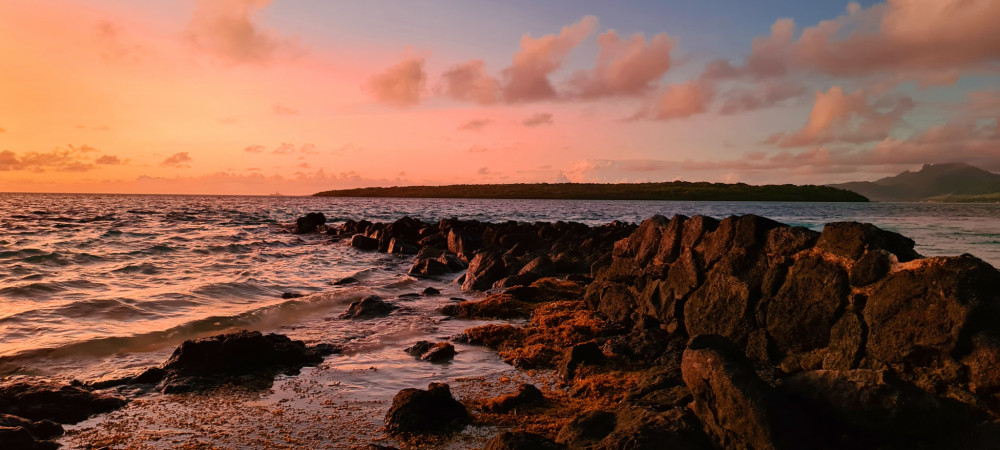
[
  {"x": 951, "y": 182},
  {"x": 675, "y": 190}
]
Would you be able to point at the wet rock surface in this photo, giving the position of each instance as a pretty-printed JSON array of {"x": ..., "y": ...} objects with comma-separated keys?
[
  {"x": 245, "y": 358},
  {"x": 368, "y": 307},
  {"x": 425, "y": 411}
]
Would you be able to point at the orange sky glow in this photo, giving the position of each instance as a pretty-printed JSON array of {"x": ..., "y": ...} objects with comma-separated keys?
[{"x": 254, "y": 97}]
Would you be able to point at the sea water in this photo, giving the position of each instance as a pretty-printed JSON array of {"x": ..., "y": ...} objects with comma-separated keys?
[{"x": 94, "y": 286}]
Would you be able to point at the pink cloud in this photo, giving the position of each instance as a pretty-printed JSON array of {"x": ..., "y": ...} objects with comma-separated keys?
[
  {"x": 401, "y": 84},
  {"x": 178, "y": 160},
  {"x": 912, "y": 35},
  {"x": 838, "y": 116},
  {"x": 470, "y": 82},
  {"x": 680, "y": 101},
  {"x": 527, "y": 79},
  {"x": 226, "y": 29},
  {"x": 108, "y": 160},
  {"x": 71, "y": 159},
  {"x": 769, "y": 55},
  {"x": 764, "y": 94},
  {"x": 625, "y": 67}
]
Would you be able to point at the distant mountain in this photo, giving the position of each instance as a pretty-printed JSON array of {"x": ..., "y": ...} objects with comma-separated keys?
[{"x": 933, "y": 182}]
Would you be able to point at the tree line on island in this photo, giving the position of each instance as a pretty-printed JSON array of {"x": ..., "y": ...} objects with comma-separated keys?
[{"x": 674, "y": 190}]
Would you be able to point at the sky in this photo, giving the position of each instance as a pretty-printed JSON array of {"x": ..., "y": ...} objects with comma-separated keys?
[{"x": 264, "y": 96}]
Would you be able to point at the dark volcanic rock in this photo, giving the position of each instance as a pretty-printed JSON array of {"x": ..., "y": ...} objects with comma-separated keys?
[
  {"x": 851, "y": 239},
  {"x": 39, "y": 429},
  {"x": 309, "y": 222},
  {"x": 580, "y": 354},
  {"x": 737, "y": 409},
  {"x": 800, "y": 316},
  {"x": 204, "y": 363},
  {"x": 485, "y": 269},
  {"x": 430, "y": 411},
  {"x": 362, "y": 242},
  {"x": 58, "y": 403},
  {"x": 440, "y": 352},
  {"x": 431, "y": 291},
  {"x": 587, "y": 428},
  {"x": 520, "y": 440},
  {"x": 526, "y": 395},
  {"x": 931, "y": 311},
  {"x": 426, "y": 351},
  {"x": 16, "y": 438},
  {"x": 871, "y": 409},
  {"x": 368, "y": 307}
]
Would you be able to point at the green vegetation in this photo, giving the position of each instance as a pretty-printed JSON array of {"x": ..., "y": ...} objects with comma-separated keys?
[{"x": 677, "y": 190}]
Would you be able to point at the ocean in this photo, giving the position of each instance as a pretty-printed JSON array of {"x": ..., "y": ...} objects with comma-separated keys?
[{"x": 93, "y": 286}]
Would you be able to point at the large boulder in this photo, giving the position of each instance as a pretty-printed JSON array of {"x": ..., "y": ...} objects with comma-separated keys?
[
  {"x": 425, "y": 411},
  {"x": 929, "y": 312},
  {"x": 737, "y": 408},
  {"x": 309, "y": 222},
  {"x": 39, "y": 401},
  {"x": 248, "y": 358},
  {"x": 801, "y": 315},
  {"x": 362, "y": 242},
  {"x": 872, "y": 409},
  {"x": 485, "y": 269},
  {"x": 851, "y": 239}
]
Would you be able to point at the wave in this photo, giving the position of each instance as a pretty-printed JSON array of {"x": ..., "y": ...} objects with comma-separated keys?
[
  {"x": 267, "y": 317},
  {"x": 45, "y": 289},
  {"x": 143, "y": 268},
  {"x": 21, "y": 253}
]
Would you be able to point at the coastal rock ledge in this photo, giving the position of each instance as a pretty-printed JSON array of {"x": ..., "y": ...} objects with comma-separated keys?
[{"x": 737, "y": 333}]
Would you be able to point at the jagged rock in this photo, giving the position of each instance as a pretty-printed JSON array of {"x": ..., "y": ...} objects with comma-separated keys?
[
  {"x": 398, "y": 247},
  {"x": 39, "y": 401},
  {"x": 232, "y": 357},
  {"x": 722, "y": 306},
  {"x": 737, "y": 409},
  {"x": 871, "y": 267},
  {"x": 930, "y": 311},
  {"x": 362, "y": 242},
  {"x": 309, "y": 222},
  {"x": 587, "y": 428},
  {"x": 419, "y": 348},
  {"x": 800, "y": 316},
  {"x": 485, "y": 269},
  {"x": 39, "y": 429},
  {"x": 851, "y": 239},
  {"x": 526, "y": 395},
  {"x": 16, "y": 438},
  {"x": 368, "y": 307},
  {"x": 637, "y": 429},
  {"x": 440, "y": 352},
  {"x": 871, "y": 409},
  {"x": 520, "y": 440},
  {"x": 541, "y": 266},
  {"x": 580, "y": 354},
  {"x": 430, "y": 411},
  {"x": 428, "y": 268},
  {"x": 463, "y": 245}
]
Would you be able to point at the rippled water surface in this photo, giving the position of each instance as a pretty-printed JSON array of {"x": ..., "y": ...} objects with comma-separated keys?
[{"x": 123, "y": 278}]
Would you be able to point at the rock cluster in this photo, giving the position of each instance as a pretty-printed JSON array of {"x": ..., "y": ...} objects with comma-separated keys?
[
  {"x": 747, "y": 333},
  {"x": 31, "y": 411},
  {"x": 494, "y": 255}
]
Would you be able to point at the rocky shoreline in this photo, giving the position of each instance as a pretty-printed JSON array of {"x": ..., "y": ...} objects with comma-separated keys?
[{"x": 675, "y": 333}]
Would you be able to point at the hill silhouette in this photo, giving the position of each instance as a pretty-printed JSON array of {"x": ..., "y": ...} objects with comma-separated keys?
[{"x": 933, "y": 182}]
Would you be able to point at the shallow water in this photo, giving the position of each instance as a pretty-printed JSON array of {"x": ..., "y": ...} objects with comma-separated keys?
[{"x": 93, "y": 285}]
